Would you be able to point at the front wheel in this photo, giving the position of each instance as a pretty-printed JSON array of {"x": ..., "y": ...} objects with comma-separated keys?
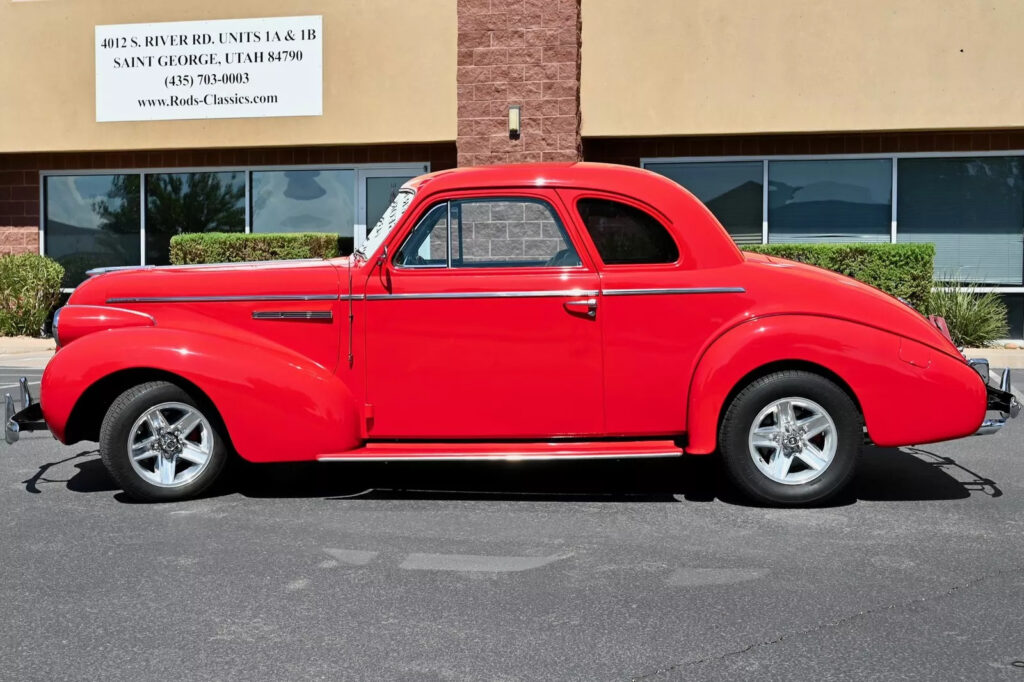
[
  {"x": 159, "y": 444},
  {"x": 791, "y": 438}
]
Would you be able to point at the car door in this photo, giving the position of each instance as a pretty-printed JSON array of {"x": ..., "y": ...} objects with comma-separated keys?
[
  {"x": 657, "y": 310},
  {"x": 481, "y": 324}
]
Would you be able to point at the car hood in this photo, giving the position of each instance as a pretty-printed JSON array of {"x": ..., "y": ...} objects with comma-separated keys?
[{"x": 785, "y": 286}]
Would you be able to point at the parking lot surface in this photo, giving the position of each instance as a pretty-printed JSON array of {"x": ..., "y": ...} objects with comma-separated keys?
[{"x": 652, "y": 570}]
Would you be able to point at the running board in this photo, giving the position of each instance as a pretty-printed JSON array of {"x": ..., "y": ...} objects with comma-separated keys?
[{"x": 506, "y": 452}]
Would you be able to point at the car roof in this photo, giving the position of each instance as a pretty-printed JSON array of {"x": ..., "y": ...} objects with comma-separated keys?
[{"x": 597, "y": 176}]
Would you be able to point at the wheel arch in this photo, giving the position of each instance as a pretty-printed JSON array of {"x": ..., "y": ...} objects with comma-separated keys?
[
  {"x": 781, "y": 366},
  {"x": 846, "y": 353},
  {"x": 87, "y": 414},
  {"x": 276, "y": 404}
]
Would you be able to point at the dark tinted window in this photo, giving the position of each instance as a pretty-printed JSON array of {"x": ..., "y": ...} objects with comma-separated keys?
[{"x": 625, "y": 235}]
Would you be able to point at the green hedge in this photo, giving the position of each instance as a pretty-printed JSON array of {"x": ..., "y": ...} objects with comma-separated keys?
[
  {"x": 226, "y": 247},
  {"x": 903, "y": 270},
  {"x": 29, "y": 291}
]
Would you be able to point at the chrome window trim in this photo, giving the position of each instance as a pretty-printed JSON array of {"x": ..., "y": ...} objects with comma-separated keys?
[{"x": 681, "y": 290}]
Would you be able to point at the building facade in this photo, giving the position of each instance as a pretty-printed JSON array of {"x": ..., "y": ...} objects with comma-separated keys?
[{"x": 804, "y": 121}]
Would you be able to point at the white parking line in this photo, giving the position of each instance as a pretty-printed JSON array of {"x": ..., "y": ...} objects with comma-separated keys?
[{"x": 7, "y": 386}]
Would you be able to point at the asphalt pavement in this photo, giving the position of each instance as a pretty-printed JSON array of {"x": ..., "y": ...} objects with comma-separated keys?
[{"x": 652, "y": 570}]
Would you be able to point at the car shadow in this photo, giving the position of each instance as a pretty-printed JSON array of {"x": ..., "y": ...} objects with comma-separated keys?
[{"x": 884, "y": 474}]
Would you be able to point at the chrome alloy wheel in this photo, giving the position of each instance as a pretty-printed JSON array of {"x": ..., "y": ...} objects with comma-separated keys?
[
  {"x": 170, "y": 444},
  {"x": 792, "y": 440}
]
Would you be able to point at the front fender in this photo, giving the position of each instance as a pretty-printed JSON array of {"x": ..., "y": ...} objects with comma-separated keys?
[
  {"x": 277, "y": 405},
  {"x": 908, "y": 393}
]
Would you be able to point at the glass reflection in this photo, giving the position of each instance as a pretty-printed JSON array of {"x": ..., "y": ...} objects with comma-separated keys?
[
  {"x": 177, "y": 203},
  {"x": 91, "y": 221},
  {"x": 732, "y": 191},
  {"x": 304, "y": 201},
  {"x": 834, "y": 200}
]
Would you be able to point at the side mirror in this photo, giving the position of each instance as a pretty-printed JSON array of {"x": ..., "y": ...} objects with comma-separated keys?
[{"x": 383, "y": 258}]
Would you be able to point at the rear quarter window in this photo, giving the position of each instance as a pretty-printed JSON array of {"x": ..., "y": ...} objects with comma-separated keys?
[{"x": 625, "y": 235}]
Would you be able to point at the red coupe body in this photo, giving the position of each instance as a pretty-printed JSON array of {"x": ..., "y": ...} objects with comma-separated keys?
[{"x": 391, "y": 355}]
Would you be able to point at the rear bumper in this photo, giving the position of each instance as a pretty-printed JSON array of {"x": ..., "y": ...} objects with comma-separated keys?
[{"x": 1002, "y": 404}]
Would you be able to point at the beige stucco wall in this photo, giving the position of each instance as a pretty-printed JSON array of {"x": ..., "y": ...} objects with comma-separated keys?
[
  {"x": 671, "y": 67},
  {"x": 389, "y": 75}
]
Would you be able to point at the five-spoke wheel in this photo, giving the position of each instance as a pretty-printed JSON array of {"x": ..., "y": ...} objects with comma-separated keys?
[
  {"x": 170, "y": 444},
  {"x": 791, "y": 437},
  {"x": 159, "y": 443}
]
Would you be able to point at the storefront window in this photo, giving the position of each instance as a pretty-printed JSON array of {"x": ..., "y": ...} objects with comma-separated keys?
[
  {"x": 177, "y": 203},
  {"x": 733, "y": 191},
  {"x": 304, "y": 201},
  {"x": 832, "y": 200},
  {"x": 91, "y": 221},
  {"x": 1015, "y": 314},
  {"x": 972, "y": 209}
]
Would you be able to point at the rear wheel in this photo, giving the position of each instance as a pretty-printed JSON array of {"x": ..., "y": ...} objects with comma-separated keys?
[
  {"x": 160, "y": 444},
  {"x": 791, "y": 438}
]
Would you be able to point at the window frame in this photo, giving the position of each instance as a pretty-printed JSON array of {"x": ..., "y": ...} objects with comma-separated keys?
[
  {"x": 765, "y": 159},
  {"x": 362, "y": 170},
  {"x": 552, "y": 201},
  {"x": 420, "y": 217}
]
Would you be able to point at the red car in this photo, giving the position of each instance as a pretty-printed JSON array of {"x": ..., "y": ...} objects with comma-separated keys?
[{"x": 526, "y": 312}]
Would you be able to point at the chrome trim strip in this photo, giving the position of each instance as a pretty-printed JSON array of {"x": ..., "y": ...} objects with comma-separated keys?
[
  {"x": 683, "y": 290},
  {"x": 225, "y": 299},
  {"x": 497, "y": 458},
  {"x": 292, "y": 315},
  {"x": 486, "y": 294}
]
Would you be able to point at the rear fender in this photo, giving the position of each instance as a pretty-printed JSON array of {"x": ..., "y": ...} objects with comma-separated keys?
[
  {"x": 277, "y": 405},
  {"x": 908, "y": 393}
]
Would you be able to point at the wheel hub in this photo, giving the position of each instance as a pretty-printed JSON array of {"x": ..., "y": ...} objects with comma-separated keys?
[
  {"x": 169, "y": 444},
  {"x": 792, "y": 440}
]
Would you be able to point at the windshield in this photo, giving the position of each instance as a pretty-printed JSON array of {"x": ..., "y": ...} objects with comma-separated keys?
[{"x": 386, "y": 223}]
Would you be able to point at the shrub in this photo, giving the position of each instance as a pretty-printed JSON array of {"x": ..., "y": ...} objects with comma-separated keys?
[
  {"x": 224, "y": 247},
  {"x": 903, "y": 270},
  {"x": 29, "y": 291},
  {"x": 975, "y": 319}
]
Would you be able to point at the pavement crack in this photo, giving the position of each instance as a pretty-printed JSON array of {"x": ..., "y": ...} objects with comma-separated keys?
[{"x": 828, "y": 625}]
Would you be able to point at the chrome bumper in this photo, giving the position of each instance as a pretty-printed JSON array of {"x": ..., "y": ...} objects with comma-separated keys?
[
  {"x": 1001, "y": 400},
  {"x": 30, "y": 418}
]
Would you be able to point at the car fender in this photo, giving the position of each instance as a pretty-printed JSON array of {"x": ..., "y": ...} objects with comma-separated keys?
[
  {"x": 892, "y": 378},
  {"x": 276, "y": 404}
]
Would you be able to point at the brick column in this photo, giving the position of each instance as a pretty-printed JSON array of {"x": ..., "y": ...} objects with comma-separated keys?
[
  {"x": 19, "y": 208},
  {"x": 524, "y": 52}
]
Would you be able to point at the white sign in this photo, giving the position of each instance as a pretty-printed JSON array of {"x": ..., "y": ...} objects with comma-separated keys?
[{"x": 231, "y": 68}]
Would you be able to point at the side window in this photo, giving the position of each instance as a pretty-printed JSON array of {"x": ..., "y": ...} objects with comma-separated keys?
[
  {"x": 626, "y": 235},
  {"x": 508, "y": 233},
  {"x": 425, "y": 245}
]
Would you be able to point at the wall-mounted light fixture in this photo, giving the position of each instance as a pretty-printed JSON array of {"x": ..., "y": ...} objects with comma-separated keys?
[{"x": 513, "y": 122}]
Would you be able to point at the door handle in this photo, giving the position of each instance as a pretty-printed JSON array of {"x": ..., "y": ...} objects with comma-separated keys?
[{"x": 586, "y": 306}]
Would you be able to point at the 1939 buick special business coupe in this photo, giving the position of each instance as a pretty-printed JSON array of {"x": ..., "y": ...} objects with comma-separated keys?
[{"x": 520, "y": 312}]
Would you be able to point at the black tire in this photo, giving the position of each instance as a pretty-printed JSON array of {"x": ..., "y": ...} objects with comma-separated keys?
[
  {"x": 738, "y": 423},
  {"x": 116, "y": 431}
]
